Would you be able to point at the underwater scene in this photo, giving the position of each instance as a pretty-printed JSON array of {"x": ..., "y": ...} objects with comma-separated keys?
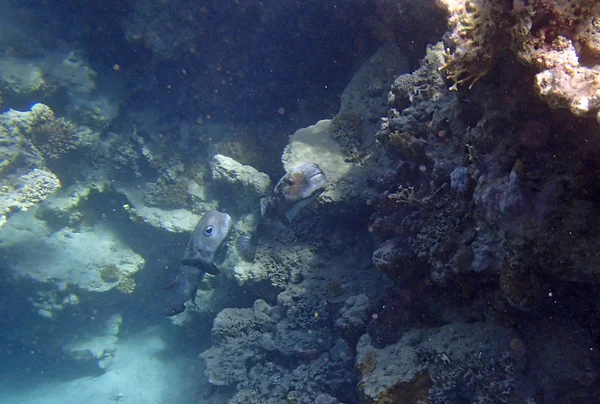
[{"x": 300, "y": 201}]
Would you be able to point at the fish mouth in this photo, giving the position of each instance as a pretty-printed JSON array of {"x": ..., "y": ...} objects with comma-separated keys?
[
  {"x": 316, "y": 174},
  {"x": 318, "y": 182}
]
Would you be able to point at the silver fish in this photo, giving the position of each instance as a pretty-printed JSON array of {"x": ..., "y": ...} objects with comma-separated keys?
[
  {"x": 206, "y": 240},
  {"x": 294, "y": 191}
]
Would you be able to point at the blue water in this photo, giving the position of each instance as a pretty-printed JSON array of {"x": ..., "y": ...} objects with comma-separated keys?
[{"x": 450, "y": 259}]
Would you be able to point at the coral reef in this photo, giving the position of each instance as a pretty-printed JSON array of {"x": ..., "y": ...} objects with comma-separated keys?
[
  {"x": 238, "y": 338},
  {"x": 272, "y": 268},
  {"x": 559, "y": 40},
  {"x": 25, "y": 180},
  {"x": 25, "y": 79},
  {"x": 32, "y": 188},
  {"x": 423, "y": 367},
  {"x": 53, "y": 136},
  {"x": 452, "y": 258},
  {"x": 50, "y": 303},
  {"x": 126, "y": 284},
  {"x": 476, "y": 39},
  {"x": 489, "y": 188},
  {"x": 64, "y": 256},
  {"x": 285, "y": 350}
]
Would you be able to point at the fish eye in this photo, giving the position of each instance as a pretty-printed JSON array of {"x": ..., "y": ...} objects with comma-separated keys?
[
  {"x": 208, "y": 230},
  {"x": 288, "y": 182}
]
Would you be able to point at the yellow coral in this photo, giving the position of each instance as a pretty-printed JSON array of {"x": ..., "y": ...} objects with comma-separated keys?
[
  {"x": 127, "y": 284},
  {"x": 474, "y": 25}
]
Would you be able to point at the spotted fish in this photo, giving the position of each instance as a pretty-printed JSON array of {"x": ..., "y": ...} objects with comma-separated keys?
[{"x": 294, "y": 191}]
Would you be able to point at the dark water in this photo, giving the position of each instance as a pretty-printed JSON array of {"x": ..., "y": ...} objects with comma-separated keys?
[{"x": 452, "y": 257}]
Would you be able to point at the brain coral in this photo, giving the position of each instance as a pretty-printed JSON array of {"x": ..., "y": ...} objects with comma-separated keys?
[{"x": 36, "y": 185}]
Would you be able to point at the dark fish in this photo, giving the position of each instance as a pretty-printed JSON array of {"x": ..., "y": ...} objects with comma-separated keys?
[
  {"x": 294, "y": 191},
  {"x": 206, "y": 240},
  {"x": 182, "y": 289}
]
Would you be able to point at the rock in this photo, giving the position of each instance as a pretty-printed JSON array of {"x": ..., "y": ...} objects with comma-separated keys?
[
  {"x": 353, "y": 316},
  {"x": 439, "y": 366},
  {"x": 366, "y": 94},
  {"x": 65, "y": 256},
  {"x": 240, "y": 337},
  {"x": 315, "y": 144},
  {"x": 345, "y": 147},
  {"x": 101, "y": 348},
  {"x": 271, "y": 269},
  {"x": 326, "y": 399},
  {"x": 396, "y": 259},
  {"x": 244, "y": 184},
  {"x": 171, "y": 220}
]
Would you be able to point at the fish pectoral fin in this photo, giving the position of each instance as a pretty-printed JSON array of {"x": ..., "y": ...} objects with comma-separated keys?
[
  {"x": 211, "y": 269},
  {"x": 284, "y": 219},
  {"x": 265, "y": 205},
  {"x": 202, "y": 264},
  {"x": 172, "y": 311}
]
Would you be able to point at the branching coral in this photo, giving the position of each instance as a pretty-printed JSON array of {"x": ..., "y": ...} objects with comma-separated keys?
[
  {"x": 406, "y": 196},
  {"x": 558, "y": 38},
  {"x": 127, "y": 284},
  {"x": 51, "y": 135},
  {"x": 475, "y": 39}
]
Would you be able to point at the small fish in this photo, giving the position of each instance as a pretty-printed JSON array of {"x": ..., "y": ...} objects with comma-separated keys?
[
  {"x": 294, "y": 191},
  {"x": 206, "y": 240}
]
